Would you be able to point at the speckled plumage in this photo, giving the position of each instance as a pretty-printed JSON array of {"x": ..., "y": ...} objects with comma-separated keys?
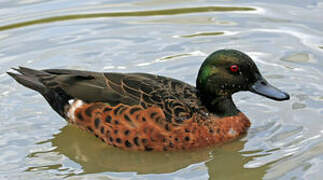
[
  {"x": 140, "y": 111},
  {"x": 138, "y": 128}
]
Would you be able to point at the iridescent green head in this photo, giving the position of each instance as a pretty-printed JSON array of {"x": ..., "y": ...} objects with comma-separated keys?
[{"x": 225, "y": 72}]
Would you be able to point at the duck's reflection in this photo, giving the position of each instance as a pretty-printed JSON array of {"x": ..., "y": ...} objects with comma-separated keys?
[{"x": 223, "y": 162}]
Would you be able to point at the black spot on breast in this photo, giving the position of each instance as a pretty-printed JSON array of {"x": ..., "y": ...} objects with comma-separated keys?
[
  {"x": 176, "y": 139},
  {"x": 89, "y": 110},
  {"x": 187, "y": 130},
  {"x": 115, "y": 131},
  {"x": 110, "y": 139},
  {"x": 102, "y": 130},
  {"x": 135, "y": 109},
  {"x": 127, "y": 117},
  {"x": 116, "y": 122},
  {"x": 211, "y": 131},
  {"x": 96, "y": 122},
  {"x": 136, "y": 141},
  {"x": 79, "y": 116},
  {"x": 128, "y": 144},
  {"x": 118, "y": 140},
  {"x": 108, "y": 119},
  {"x": 147, "y": 148},
  {"x": 144, "y": 119},
  {"x": 187, "y": 138},
  {"x": 126, "y": 132}
]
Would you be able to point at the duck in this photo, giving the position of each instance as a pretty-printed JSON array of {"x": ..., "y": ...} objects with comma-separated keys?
[{"x": 148, "y": 112}]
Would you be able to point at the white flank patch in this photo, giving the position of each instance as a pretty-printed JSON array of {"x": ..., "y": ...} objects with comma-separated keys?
[{"x": 74, "y": 104}]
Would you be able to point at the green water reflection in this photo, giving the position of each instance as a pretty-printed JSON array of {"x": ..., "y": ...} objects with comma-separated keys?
[
  {"x": 202, "y": 34},
  {"x": 223, "y": 162},
  {"x": 127, "y": 14}
]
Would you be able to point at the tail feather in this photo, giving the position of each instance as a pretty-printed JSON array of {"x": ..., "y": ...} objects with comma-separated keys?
[
  {"x": 32, "y": 79},
  {"x": 30, "y": 72},
  {"x": 28, "y": 80}
]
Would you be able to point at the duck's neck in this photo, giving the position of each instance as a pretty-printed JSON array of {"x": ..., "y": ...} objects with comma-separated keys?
[{"x": 220, "y": 105}]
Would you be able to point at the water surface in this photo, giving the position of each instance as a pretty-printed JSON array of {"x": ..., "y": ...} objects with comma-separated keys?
[{"x": 169, "y": 38}]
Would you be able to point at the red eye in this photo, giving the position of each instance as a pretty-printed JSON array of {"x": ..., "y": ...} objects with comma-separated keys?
[{"x": 234, "y": 68}]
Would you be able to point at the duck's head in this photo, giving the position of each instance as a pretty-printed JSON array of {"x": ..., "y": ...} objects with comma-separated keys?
[{"x": 225, "y": 72}]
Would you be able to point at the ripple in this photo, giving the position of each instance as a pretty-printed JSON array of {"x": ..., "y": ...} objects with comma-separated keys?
[
  {"x": 127, "y": 14},
  {"x": 160, "y": 2},
  {"x": 193, "y": 19},
  {"x": 298, "y": 57},
  {"x": 95, "y": 156},
  {"x": 280, "y": 168},
  {"x": 167, "y": 58},
  {"x": 296, "y": 106},
  {"x": 198, "y": 34},
  {"x": 172, "y": 57}
]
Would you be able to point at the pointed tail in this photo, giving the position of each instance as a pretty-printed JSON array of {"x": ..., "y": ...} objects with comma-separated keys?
[
  {"x": 32, "y": 79},
  {"x": 29, "y": 78}
]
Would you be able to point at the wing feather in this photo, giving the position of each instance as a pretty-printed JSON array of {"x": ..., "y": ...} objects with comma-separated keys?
[{"x": 176, "y": 98}]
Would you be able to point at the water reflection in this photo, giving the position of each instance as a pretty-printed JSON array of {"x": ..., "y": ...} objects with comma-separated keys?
[
  {"x": 198, "y": 34},
  {"x": 96, "y": 157},
  {"x": 229, "y": 163},
  {"x": 192, "y": 19},
  {"x": 297, "y": 58},
  {"x": 128, "y": 14}
]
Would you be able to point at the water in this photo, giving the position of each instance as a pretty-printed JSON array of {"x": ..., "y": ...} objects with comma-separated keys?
[{"x": 172, "y": 38}]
